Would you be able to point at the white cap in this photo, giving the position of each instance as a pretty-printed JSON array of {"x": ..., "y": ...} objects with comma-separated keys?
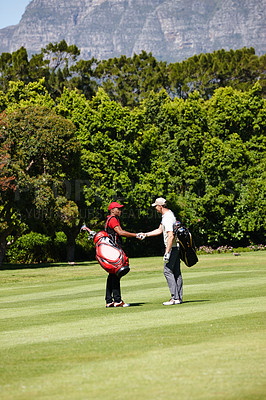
[{"x": 159, "y": 202}]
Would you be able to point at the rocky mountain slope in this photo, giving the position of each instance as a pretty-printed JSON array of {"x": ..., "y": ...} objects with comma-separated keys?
[{"x": 172, "y": 30}]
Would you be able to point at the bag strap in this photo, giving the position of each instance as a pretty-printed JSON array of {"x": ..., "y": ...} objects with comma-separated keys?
[
  {"x": 115, "y": 235},
  {"x": 107, "y": 221}
]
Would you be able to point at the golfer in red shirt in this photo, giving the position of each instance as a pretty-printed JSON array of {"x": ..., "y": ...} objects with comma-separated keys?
[{"x": 114, "y": 230}]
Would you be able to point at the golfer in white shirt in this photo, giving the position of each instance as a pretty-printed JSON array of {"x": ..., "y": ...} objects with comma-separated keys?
[{"x": 171, "y": 258}]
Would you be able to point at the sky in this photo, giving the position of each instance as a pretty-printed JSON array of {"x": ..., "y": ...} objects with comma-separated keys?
[{"x": 11, "y": 11}]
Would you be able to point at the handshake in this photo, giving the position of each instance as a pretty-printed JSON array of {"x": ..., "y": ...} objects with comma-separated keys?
[{"x": 141, "y": 236}]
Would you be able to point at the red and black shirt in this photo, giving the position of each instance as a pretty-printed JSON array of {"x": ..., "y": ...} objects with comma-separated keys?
[{"x": 111, "y": 222}]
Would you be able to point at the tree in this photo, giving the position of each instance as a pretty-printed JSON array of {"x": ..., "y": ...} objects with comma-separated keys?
[
  {"x": 40, "y": 152},
  {"x": 60, "y": 54},
  {"x": 240, "y": 69},
  {"x": 129, "y": 80},
  {"x": 52, "y": 64},
  {"x": 108, "y": 134},
  {"x": 232, "y": 111},
  {"x": 84, "y": 77},
  {"x": 233, "y": 160},
  {"x": 67, "y": 219},
  {"x": 17, "y": 67}
]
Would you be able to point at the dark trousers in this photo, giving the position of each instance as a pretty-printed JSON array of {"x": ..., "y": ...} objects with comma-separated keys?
[{"x": 113, "y": 291}]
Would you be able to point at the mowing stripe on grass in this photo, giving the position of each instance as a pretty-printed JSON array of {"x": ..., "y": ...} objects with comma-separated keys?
[
  {"x": 66, "y": 298},
  {"x": 91, "y": 288},
  {"x": 89, "y": 327}
]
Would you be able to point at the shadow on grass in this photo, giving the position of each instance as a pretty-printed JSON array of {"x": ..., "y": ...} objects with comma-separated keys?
[
  {"x": 136, "y": 304},
  {"x": 6, "y": 267},
  {"x": 194, "y": 301}
]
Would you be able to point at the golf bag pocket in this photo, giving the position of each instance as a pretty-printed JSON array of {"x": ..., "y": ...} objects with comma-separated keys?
[{"x": 111, "y": 257}]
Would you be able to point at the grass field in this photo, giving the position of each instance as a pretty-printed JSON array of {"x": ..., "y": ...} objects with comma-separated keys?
[{"x": 58, "y": 341}]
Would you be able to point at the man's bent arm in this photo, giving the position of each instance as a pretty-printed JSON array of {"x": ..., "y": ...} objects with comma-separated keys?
[{"x": 170, "y": 238}]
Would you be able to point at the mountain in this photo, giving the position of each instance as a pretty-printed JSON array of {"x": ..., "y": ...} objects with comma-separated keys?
[{"x": 172, "y": 30}]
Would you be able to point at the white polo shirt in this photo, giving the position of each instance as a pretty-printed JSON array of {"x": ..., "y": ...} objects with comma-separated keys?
[{"x": 168, "y": 220}]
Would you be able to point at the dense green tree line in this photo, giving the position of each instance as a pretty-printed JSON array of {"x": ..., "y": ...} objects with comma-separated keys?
[
  {"x": 64, "y": 160},
  {"x": 128, "y": 80},
  {"x": 75, "y": 136}
]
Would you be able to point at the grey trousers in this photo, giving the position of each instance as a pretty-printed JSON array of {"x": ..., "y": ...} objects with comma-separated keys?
[{"x": 173, "y": 275}]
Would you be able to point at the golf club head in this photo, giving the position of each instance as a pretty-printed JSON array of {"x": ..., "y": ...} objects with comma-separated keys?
[{"x": 91, "y": 233}]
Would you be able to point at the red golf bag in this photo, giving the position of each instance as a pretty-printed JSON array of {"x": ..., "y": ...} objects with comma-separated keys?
[{"x": 110, "y": 257}]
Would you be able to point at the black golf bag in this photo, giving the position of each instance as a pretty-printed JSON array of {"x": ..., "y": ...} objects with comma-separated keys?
[{"x": 187, "y": 249}]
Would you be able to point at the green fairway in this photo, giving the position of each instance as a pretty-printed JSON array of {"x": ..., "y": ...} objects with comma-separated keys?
[{"x": 58, "y": 341}]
